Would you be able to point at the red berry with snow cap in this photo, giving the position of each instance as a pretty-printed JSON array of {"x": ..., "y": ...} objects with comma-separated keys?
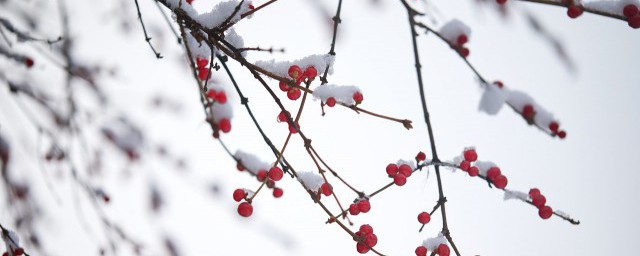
[
  {"x": 464, "y": 165},
  {"x": 470, "y": 155},
  {"x": 275, "y": 173},
  {"x": 493, "y": 172},
  {"x": 528, "y": 112},
  {"x": 405, "y": 170},
  {"x": 310, "y": 73},
  {"x": 221, "y": 97},
  {"x": 424, "y": 218},
  {"x": 331, "y": 101},
  {"x": 421, "y": 156},
  {"x": 201, "y": 63},
  {"x": 203, "y": 73},
  {"x": 553, "y": 126},
  {"x": 462, "y": 39},
  {"x": 239, "y": 194},
  {"x": 630, "y": 10},
  {"x": 262, "y": 175},
  {"x": 326, "y": 189},
  {"x": 358, "y": 97},
  {"x": 295, "y": 71},
  {"x": 225, "y": 125},
  {"x": 245, "y": 209}
]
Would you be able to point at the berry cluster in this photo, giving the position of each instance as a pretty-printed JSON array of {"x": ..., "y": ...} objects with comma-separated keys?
[
  {"x": 458, "y": 45},
  {"x": 298, "y": 76},
  {"x": 633, "y": 15},
  {"x": 360, "y": 206},
  {"x": 366, "y": 239},
  {"x": 245, "y": 209},
  {"x": 399, "y": 173},
  {"x": 16, "y": 252},
  {"x": 203, "y": 70},
  {"x": 544, "y": 211},
  {"x": 282, "y": 118},
  {"x": 442, "y": 250},
  {"x": 493, "y": 175}
]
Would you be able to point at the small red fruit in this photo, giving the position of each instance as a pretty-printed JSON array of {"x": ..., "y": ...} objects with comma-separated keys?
[
  {"x": 353, "y": 209},
  {"x": 574, "y": 11},
  {"x": 203, "y": 73},
  {"x": 331, "y": 101},
  {"x": 470, "y": 155},
  {"x": 443, "y": 250},
  {"x": 421, "y": 251},
  {"x": 295, "y": 71},
  {"x": 277, "y": 192},
  {"x": 371, "y": 240},
  {"x": 357, "y": 96},
  {"x": 250, "y": 6},
  {"x": 189, "y": 1},
  {"x": 493, "y": 172},
  {"x": 294, "y": 94},
  {"x": 634, "y": 21},
  {"x": 421, "y": 156},
  {"x": 326, "y": 189},
  {"x": 225, "y": 125},
  {"x": 271, "y": 183},
  {"x": 534, "y": 192},
  {"x": 221, "y": 97},
  {"x": 528, "y": 112},
  {"x": 245, "y": 209},
  {"x": 211, "y": 94},
  {"x": 400, "y": 179},
  {"x": 405, "y": 170},
  {"x": 464, "y": 52},
  {"x": 262, "y": 175},
  {"x": 282, "y": 117},
  {"x": 362, "y": 248},
  {"x": 366, "y": 229},
  {"x": 500, "y": 181},
  {"x": 464, "y": 165},
  {"x": 562, "y": 134},
  {"x": 630, "y": 10},
  {"x": 18, "y": 251},
  {"x": 462, "y": 39},
  {"x": 284, "y": 86},
  {"x": 424, "y": 218},
  {"x": 539, "y": 201},
  {"x": 292, "y": 129},
  {"x": 545, "y": 212},
  {"x": 499, "y": 84},
  {"x": 310, "y": 73},
  {"x": 392, "y": 170},
  {"x": 473, "y": 171},
  {"x": 501, "y": 1},
  {"x": 364, "y": 206},
  {"x": 201, "y": 63},
  {"x": 239, "y": 194},
  {"x": 28, "y": 62},
  {"x": 275, "y": 173},
  {"x": 553, "y": 126}
]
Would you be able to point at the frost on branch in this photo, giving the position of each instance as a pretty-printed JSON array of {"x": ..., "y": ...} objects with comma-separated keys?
[
  {"x": 281, "y": 68},
  {"x": 514, "y": 194},
  {"x": 453, "y": 29},
  {"x": 221, "y": 12},
  {"x": 341, "y": 93},
  {"x": 251, "y": 162},
  {"x": 311, "y": 181},
  {"x": 611, "y": 7},
  {"x": 484, "y": 166},
  {"x": 11, "y": 241},
  {"x": 432, "y": 243}
]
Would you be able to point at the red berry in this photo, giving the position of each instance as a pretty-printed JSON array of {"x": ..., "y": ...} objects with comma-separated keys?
[
  {"x": 295, "y": 71},
  {"x": 239, "y": 194},
  {"x": 284, "y": 86},
  {"x": 465, "y": 165},
  {"x": 294, "y": 94},
  {"x": 545, "y": 212},
  {"x": 275, "y": 173},
  {"x": 18, "y": 251},
  {"x": 262, "y": 175},
  {"x": 277, "y": 192},
  {"x": 462, "y": 39},
  {"x": 282, "y": 117},
  {"x": 326, "y": 189},
  {"x": 470, "y": 155},
  {"x": 499, "y": 84},
  {"x": 574, "y": 11},
  {"x": 473, "y": 171},
  {"x": 634, "y": 21},
  {"x": 221, "y": 97},
  {"x": 424, "y": 218},
  {"x": 203, "y": 73},
  {"x": 271, "y": 183},
  {"x": 366, "y": 229},
  {"x": 28, "y": 62},
  {"x": 189, "y": 1},
  {"x": 500, "y": 181},
  {"x": 630, "y": 10},
  {"x": 405, "y": 170},
  {"x": 534, "y": 192},
  {"x": 250, "y": 6},
  {"x": 225, "y": 125},
  {"x": 443, "y": 250},
  {"x": 501, "y": 1},
  {"x": 292, "y": 129},
  {"x": 528, "y": 111},
  {"x": 392, "y": 170},
  {"x": 421, "y": 251},
  {"x": 310, "y": 73},
  {"x": 400, "y": 179},
  {"x": 539, "y": 201},
  {"x": 421, "y": 156},
  {"x": 493, "y": 172},
  {"x": 364, "y": 206},
  {"x": 239, "y": 166},
  {"x": 201, "y": 63},
  {"x": 357, "y": 96},
  {"x": 5, "y": 254},
  {"x": 362, "y": 248},
  {"x": 464, "y": 52},
  {"x": 331, "y": 101},
  {"x": 353, "y": 209},
  {"x": 211, "y": 94},
  {"x": 371, "y": 240},
  {"x": 562, "y": 134},
  {"x": 553, "y": 126},
  {"x": 245, "y": 209}
]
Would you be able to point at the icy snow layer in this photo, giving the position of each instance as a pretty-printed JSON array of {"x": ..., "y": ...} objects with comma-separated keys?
[
  {"x": 514, "y": 194},
  {"x": 236, "y": 40},
  {"x": 483, "y": 166},
  {"x": 251, "y": 162},
  {"x": 221, "y": 12},
  {"x": 410, "y": 163},
  {"x": 281, "y": 68},
  {"x": 182, "y": 4},
  {"x": 341, "y": 93},
  {"x": 453, "y": 29},
  {"x": 493, "y": 98},
  {"x": 612, "y": 7},
  {"x": 432, "y": 243},
  {"x": 198, "y": 49},
  {"x": 311, "y": 180}
]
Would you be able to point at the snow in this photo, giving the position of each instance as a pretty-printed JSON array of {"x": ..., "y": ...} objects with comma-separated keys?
[
  {"x": 221, "y": 12},
  {"x": 124, "y": 135},
  {"x": 182, "y": 4},
  {"x": 453, "y": 29},
  {"x": 281, "y": 68},
  {"x": 236, "y": 40},
  {"x": 311, "y": 180},
  {"x": 198, "y": 49},
  {"x": 341, "y": 93},
  {"x": 483, "y": 166},
  {"x": 410, "y": 163},
  {"x": 221, "y": 111},
  {"x": 612, "y": 7},
  {"x": 514, "y": 194},
  {"x": 251, "y": 162},
  {"x": 432, "y": 243},
  {"x": 492, "y": 99}
]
